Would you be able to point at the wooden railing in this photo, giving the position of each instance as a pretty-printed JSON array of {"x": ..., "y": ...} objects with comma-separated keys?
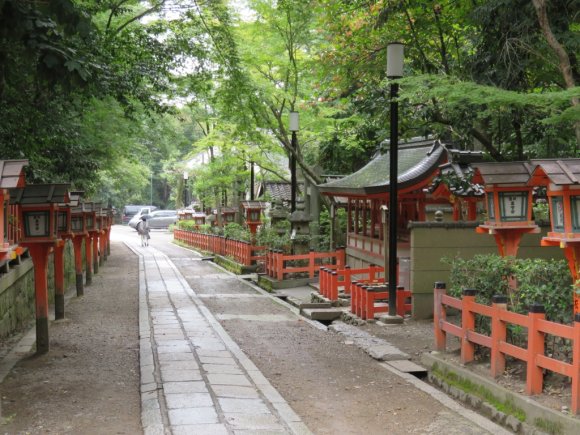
[
  {"x": 536, "y": 325},
  {"x": 241, "y": 251},
  {"x": 279, "y": 265}
]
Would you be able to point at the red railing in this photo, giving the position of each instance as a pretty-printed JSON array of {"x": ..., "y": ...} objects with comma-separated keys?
[
  {"x": 332, "y": 280},
  {"x": 278, "y": 265},
  {"x": 242, "y": 252},
  {"x": 537, "y": 327}
]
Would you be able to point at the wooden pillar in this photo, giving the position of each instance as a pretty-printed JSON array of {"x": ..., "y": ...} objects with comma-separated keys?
[
  {"x": 39, "y": 253},
  {"x": 89, "y": 259},
  {"x": 78, "y": 246},
  {"x": 59, "y": 281}
]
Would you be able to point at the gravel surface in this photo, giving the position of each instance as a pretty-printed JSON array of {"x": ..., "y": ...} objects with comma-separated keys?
[{"x": 89, "y": 381}]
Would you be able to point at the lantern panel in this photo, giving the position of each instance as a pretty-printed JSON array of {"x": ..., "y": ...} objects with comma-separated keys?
[
  {"x": 558, "y": 214},
  {"x": 90, "y": 222},
  {"x": 77, "y": 224},
  {"x": 36, "y": 223},
  {"x": 575, "y": 205},
  {"x": 62, "y": 222},
  {"x": 490, "y": 206},
  {"x": 513, "y": 206}
]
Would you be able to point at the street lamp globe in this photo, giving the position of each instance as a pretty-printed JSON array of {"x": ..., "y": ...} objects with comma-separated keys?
[
  {"x": 294, "y": 121},
  {"x": 395, "y": 60}
]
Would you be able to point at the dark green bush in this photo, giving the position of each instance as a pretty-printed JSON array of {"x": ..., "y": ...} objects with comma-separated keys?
[{"x": 546, "y": 282}]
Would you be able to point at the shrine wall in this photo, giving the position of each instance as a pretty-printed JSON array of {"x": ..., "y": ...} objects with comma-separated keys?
[
  {"x": 17, "y": 290},
  {"x": 433, "y": 241}
]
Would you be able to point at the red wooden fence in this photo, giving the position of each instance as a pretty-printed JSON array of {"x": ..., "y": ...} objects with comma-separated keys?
[
  {"x": 279, "y": 265},
  {"x": 242, "y": 252},
  {"x": 536, "y": 324}
]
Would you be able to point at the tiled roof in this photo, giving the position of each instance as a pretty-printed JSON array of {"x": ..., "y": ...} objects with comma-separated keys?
[
  {"x": 560, "y": 172},
  {"x": 40, "y": 194},
  {"x": 503, "y": 173},
  {"x": 417, "y": 162}
]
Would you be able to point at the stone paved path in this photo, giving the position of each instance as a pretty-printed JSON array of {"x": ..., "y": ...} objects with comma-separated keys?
[{"x": 194, "y": 378}]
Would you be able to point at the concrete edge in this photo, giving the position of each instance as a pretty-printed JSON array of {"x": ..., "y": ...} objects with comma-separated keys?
[
  {"x": 151, "y": 418},
  {"x": 533, "y": 409},
  {"x": 282, "y": 407},
  {"x": 449, "y": 403}
]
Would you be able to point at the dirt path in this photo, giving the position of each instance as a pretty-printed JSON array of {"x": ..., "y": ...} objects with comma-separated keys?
[{"x": 89, "y": 381}]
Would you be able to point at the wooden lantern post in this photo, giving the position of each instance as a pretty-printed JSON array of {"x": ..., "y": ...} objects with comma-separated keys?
[
  {"x": 90, "y": 231},
  {"x": 38, "y": 221},
  {"x": 228, "y": 215},
  {"x": 253, "y": 214},
  {"x": 509, "y": 203},
  {"x": 64, "y": 233},
  {"x": 562, "y": 181},
  {"x": 80, "y": 234},
  {"x": 95, "y": 236},
  {"x": 198, "y": 219}
]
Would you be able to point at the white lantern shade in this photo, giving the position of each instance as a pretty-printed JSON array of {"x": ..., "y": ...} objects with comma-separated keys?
[
  {"x": 395, "y": 60},
  {"x": 294, "y": 121},
  {"x": 557, "y": 217},
  {"x": 185, "y": 175}
]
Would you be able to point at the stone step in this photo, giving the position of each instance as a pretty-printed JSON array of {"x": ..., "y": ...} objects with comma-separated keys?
[{"x": 321, "y": 314}]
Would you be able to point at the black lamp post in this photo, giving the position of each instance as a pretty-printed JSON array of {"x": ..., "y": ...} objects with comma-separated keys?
[
  {"x": 251, "y": 180},
  {"x": 185, "y": 178},
  {"x": 394, "y": 71},
  {"x": 294, "y": 127}
]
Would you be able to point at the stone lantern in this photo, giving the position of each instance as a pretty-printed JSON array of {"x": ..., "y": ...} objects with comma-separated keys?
[{"x": 300, "y": 222}]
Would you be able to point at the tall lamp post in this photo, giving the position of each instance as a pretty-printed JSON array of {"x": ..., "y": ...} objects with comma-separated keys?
[
  {"x": 185, "y": 178},
  {"x": 294, "y": 127},
  {"x": 395, "y": 59}
]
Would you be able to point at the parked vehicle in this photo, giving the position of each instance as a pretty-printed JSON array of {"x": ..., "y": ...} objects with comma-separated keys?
[
  {"x": 162, "y": 218},
  {"x": 144, "y": 211},
  {"x": 131, "y": 210}
]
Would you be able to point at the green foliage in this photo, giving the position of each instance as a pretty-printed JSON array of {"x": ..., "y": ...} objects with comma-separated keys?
[
  {"x": 545, "y": 282},
  {"x": 275, "y": 237},
  {"x": 237, "y": 232}
]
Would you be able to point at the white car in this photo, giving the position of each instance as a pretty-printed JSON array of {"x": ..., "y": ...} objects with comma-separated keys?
[{"x": 145, "y": 211}]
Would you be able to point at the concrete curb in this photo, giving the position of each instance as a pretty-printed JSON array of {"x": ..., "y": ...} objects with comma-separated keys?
[{"x": 534, "y": 410}]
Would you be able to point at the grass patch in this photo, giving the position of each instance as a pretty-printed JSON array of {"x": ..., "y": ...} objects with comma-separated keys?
[
  {"x": 548, "y": 426},
  {"x": 506, "y": 406}
]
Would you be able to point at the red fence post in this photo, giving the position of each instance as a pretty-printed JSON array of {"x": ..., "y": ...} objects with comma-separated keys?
[
  {"x": 401, "y": 300},
  {"x": 439, "y": 316},
  {"x": 467, "y": 324},
  {"x": 280, "y": 265},
  {"x": 575, "y": 407},
  {"x": 498, "y": 335},
  {"x": 311, "y": 263},
  {"x": 534, "y": 376}
]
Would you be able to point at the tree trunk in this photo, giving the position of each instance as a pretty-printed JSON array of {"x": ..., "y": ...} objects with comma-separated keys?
[{"x": 563, "y": 58}]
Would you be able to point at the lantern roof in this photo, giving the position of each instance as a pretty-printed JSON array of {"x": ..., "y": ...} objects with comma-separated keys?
[
  {"x": 40, "y": 194},
  {"x": 559, "y": 172},
  {"x": 418, "y": 162},
  {"x": 494, "y": 173},
  {"x": 12, "y": 173},
  {"x": 228, "y": 210},
  {"x": 253, "y": 205},
  {"x": 75, "y": 197}
]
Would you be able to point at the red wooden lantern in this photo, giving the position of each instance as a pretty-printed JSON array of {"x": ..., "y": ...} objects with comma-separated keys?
[
  {"x": 253, "y": 214},
  {"x": 38, "y": 221},
  {"x": 509, "y": 203},
  {"x": 228, "y": 215},
  {"x": 11, "y": 176},
  {"x": 562, "y": 181}
]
